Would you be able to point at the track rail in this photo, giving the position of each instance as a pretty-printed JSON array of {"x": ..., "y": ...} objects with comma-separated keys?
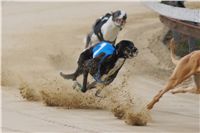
[
  {"x": 185, "y": 14},
  {"x": 183, "y": 20},
  {"x": 180, "y": 26}
]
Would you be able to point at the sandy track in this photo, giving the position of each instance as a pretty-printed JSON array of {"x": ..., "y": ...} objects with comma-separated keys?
[
  {"x": 172, "y": 114},
  {"x": 41, "y": 39}
]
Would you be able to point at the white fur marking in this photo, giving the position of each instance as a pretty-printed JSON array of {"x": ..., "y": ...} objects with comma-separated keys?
[
  {"x": 118, "y": 64},
  {"x": 102, "y": 45}
]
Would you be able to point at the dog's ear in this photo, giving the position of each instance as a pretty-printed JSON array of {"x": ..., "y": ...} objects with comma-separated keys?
[
  {"x": 116, "y": 14},
  {"x": 125, "y": 43},
  {"x": 112, "y": 13}
]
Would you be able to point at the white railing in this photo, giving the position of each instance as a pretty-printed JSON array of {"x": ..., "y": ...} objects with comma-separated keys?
[{"x": 192, "y": 15}]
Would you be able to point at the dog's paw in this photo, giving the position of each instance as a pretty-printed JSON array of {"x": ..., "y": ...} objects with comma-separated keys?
[
  {"x": 173, "y": 92},
  {"x": 98, "y": 94},
  {"x": 77, "y": 86},
  {"x": 149, "y": 106},
  {"x": 91, "y": 86}
]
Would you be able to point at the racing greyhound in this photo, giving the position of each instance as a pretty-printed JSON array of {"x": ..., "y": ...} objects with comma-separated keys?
[
  {"x": 185, "y": 67},
  {"x": 103, "y": 61}
]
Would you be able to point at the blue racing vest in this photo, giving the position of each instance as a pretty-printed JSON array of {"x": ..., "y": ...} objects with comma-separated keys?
[{"x": 103, "y": 47}]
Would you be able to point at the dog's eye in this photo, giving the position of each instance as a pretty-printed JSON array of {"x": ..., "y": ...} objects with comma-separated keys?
[
  {"x": 127, "y": 50},
  {"x": 131, "y": 47}
]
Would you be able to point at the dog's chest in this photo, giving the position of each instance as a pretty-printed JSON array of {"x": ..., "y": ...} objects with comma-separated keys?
[
  {"x": 117, "y": 66},
  {"x": 110, "y": 31}
]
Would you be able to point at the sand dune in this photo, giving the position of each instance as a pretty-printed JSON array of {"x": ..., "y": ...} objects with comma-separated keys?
[{"x": 40, "y": 39}]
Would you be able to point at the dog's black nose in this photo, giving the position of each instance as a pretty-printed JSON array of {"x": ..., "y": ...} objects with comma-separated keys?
[
  {"x": 135, "y": 52},
  {"x": 135, "y": 49}
]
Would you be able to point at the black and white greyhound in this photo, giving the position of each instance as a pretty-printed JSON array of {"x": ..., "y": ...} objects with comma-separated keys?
[{"x": 106, "y": 28}]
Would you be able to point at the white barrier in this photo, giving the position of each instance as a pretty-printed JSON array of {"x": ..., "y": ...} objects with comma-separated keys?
[{"x": 192, "y": 15}]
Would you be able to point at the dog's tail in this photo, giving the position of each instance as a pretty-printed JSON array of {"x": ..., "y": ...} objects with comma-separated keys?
[
  {"x": 172, "y": 51},
  {"x": 66, "y": 76}
]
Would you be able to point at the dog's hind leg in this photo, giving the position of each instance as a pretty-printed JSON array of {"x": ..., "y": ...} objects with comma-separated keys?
[
  {"x": 85, "y": 76},
  {"x": 195, "y": 90},
  {"x": 72, "y": 76},
  {"x": 92, "y": 85}
]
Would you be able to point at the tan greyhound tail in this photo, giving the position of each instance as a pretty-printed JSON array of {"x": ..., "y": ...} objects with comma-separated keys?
[{"x": 172, "y": 51}]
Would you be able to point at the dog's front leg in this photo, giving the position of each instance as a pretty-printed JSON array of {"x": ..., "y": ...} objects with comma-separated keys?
[{"x": 85, "y": 76}]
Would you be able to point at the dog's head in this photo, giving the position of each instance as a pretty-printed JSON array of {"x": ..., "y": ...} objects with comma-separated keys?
[
  {"x": 126, "y": 49},
  {"x": 119, "y": 18}
]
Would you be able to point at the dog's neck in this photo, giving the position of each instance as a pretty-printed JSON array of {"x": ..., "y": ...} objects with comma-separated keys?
[
  {"x": 110, "y": 30},
  {"x": 119, "y": 54},
  {"x": 112, "y": 65}
]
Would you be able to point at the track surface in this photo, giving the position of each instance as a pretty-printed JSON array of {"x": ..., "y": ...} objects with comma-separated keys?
[{"x": 31, "y": 31}]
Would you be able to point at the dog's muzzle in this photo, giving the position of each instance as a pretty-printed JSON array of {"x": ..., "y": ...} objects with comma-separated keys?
[
  {"x": 131, "y": 53},
  {"x": 134, "y": 52},
  {"x": 120, "y": 22}
]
